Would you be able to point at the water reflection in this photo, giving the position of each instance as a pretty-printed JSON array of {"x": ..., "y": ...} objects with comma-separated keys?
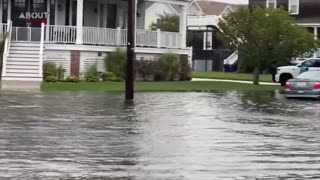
[{"x": 222, "y": 135}]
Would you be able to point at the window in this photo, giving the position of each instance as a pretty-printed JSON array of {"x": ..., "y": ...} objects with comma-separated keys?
[
  {"x": 308, "y": 63},
  {"x": 271, "y": 3},
  {"x": 207, "y": 41},
  {"x": 316, "y": 64},
  {"x": 294, "y": 6}
]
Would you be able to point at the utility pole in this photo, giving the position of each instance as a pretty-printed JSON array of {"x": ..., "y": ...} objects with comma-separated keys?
[
  {"x": 130, "y": 50},
  {"x": 250, "y": 6}
]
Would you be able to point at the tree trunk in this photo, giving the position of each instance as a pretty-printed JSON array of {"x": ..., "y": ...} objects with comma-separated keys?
[{"x": 256, "y": 73}]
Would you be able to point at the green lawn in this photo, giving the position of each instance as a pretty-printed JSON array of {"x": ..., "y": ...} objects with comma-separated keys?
[
  {"x": 231, "y": 76},
  {"x": 155, "y": 86}
]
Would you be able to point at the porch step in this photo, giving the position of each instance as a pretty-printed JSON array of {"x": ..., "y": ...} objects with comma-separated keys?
[
  {"x": 26, "y": 52},
  {"x": 23, "y": 63},
  {"x": 18, "y": 75},
  {"x": 26, "y": 56},
  {"x": 22, "y": 67},
  {"x": 23, "y": 71},
  {"x": 22, "y": 59}
]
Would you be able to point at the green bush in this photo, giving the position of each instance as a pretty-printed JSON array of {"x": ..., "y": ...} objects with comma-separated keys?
[
  {"x": 146, "y": 68},
  {"x": 60, "y": 73},
  {"x": 106, "y": 76},
  {"x": 116, "y": 79},
  {"x": 115, "y": 62},
  {"x": 51, "y": 79},
  {"x": 185, "y": 70},
  {"x": 169, "y": 65},
  {"x": 72, "y": 78},
  {"x": 49, "y": 69},
  {"x": 92, "y": 74}
]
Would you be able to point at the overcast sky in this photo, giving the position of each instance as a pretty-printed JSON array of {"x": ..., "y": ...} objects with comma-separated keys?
[{"x": 234, "y": 1}]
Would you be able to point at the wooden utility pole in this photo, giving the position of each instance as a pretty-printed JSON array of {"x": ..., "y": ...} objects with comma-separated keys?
[
  {"x": 130, "y": 49},
  {"x": 250, "y": 6}
]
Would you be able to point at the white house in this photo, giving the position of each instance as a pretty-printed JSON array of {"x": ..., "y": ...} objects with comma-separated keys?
[{"x": 75, "y": 34}]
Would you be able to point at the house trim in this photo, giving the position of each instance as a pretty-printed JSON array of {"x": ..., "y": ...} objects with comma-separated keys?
[
  {"x": 225, "y": 9},
  {"x": 79, "y": 47},
  {"x": 309, "y": 24}
]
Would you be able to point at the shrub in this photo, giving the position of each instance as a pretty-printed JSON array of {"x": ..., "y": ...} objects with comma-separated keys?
[
  {"x": 169, "y": 65},
  {"x": 60, "y": 73},
  {"x": 146, "y": 68},
  {"x": 92, "y": 74},
  {"x": 115, "y": 62},
  {"x": 116, "y": 79},
  {"x": 72, "y": 78},
  {"x": 185, "y": 70},
  {"x": 51, "y": 79},
  {"x": 106, "y": 76},
  {"x": 49, "y": 69}
]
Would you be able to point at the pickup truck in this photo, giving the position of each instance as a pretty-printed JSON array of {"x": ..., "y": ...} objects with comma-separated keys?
[{"x": 285, "y": 73}]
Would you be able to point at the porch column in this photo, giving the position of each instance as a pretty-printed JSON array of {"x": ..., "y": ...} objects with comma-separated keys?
[
  {"x": 79, "y": 21},
  {"x": 315, "y": 32},
  {"x": 1, "y": 11},
  {"x": 183, "y": 26},
  {"x": 9, "y": 11}
]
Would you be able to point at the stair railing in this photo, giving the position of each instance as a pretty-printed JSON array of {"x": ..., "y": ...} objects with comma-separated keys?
[
  {"x": 6, "y": 48},
  {"x": 41, "y": 50}
]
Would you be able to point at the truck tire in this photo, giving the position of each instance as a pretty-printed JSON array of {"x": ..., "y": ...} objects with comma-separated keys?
[{"x": 284, "y": 78}]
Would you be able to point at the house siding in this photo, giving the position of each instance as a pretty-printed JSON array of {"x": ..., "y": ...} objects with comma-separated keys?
[
  {"x": 308, "y": 10},
  {"x": 153, "y": 12}
]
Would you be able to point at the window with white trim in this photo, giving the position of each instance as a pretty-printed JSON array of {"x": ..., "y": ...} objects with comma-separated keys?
[
  {"x": 294, "y": 6},
  {"x": 272, "y": 4},
  {"x": 207, "y": 41}
]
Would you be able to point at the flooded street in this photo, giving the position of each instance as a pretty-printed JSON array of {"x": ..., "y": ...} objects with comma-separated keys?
[{"x": 176, "y": 136}]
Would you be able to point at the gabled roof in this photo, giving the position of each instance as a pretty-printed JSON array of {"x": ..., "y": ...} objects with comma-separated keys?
[{"x": 216, "y": 8}]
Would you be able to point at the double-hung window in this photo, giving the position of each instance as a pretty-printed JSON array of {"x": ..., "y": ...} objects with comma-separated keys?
[
  {"x": 272, "y": 4},
  {"x": 294, "y": 6}
]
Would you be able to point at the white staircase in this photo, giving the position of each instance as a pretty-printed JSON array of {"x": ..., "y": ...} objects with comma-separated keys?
[
  {"x": 232, "y": 59},
  {"x": 23, "y": 62}
]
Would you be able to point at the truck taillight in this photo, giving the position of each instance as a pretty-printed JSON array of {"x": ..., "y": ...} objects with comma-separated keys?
[
  {"x": 288, "y": 85},
  {"x": 317, "y": 85}
]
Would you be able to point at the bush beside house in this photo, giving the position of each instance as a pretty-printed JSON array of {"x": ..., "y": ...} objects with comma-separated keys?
[{"x": 167, "y": 68}]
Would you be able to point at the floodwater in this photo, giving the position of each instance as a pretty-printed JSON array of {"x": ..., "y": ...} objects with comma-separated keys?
[{"x": 175, "y": 136}]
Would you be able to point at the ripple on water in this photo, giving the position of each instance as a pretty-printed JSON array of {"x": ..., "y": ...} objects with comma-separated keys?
[{"x": 221, "y": 135}]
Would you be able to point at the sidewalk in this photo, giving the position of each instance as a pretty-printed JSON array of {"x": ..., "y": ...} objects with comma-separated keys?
[{"x": 235, "y": 81}]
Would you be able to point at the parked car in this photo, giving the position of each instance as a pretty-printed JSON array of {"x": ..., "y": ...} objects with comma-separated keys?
[
  {"x": 306, "y": 85},
  {"x": 285, "y": 73}
]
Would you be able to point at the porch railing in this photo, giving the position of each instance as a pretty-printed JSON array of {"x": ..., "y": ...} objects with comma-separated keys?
[
  {"x": 171, "y": 39},
  {"x": 6, "y": 47},
  {"x": 26, "y": 34},
  {"x": 3, "y": 31},
  {"x": 61, "y": 34},
  {"x": 98, "y": 36}
]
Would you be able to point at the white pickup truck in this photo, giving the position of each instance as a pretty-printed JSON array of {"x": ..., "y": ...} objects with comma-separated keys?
[{"x": 285, "y": 73}]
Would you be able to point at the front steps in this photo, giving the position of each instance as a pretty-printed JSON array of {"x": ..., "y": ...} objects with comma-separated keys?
[{"x": 22, "y": 67}]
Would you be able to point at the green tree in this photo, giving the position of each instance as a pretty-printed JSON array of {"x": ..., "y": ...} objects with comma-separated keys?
[
  {"x": 265, "y": 38},
  {"x": 167, "y": 22}
]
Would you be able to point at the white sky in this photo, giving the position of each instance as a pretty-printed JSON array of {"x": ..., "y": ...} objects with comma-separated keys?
[{"x": 234, "y": 1}]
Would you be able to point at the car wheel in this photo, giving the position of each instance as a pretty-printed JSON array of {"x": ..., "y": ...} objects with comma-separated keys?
[{"x": 284, "y": 78}]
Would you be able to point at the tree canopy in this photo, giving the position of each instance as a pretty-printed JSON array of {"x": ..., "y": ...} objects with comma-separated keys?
[
  {"x": 167, "y": 22},
  {"x": 265, "y": 37}
]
